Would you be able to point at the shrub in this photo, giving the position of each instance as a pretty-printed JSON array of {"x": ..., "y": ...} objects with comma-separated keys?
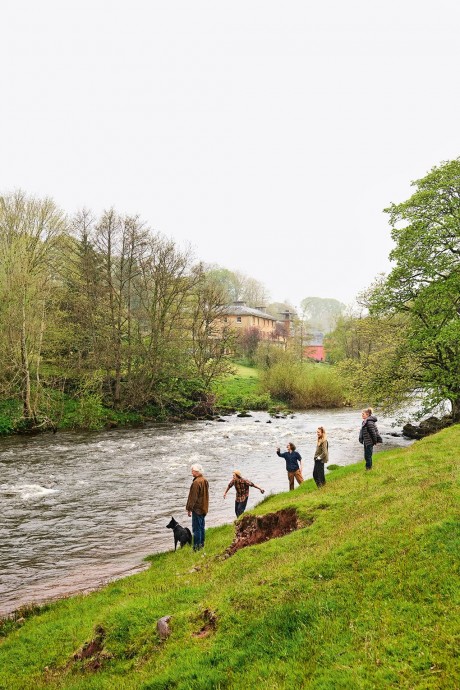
[
  {"x": 10, "y": 413},
  {"x": 303, "y": 385},
  {"x": 90, "y": 412}
]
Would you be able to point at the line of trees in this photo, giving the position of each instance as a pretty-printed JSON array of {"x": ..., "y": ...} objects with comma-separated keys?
[
  {"x": 109, "y": 312},
  {"x": 408, "y": 340},
  {"x": 103, "y": 309}
]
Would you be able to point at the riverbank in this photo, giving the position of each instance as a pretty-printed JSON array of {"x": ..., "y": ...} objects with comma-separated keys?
[
  {"x": 238, "y": 392},
  {"x": 361, "y": 594}
]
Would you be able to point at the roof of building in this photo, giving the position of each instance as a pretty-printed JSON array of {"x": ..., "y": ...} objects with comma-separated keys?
[
  {"x": 313, "y": 339},
  {"x": 240, "y": 309}
]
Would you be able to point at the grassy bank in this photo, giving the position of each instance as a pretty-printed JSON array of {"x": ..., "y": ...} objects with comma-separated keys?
[
  {"x": 69, "y": 413},
  {"x": 362, "y": 596},
  {"x": 284, "y": 386},
  {"x": 242, "y": 391}
]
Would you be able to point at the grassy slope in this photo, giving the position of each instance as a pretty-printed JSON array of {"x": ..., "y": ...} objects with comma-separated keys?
[
  {"x": 365, "y": 597},
  {"x": 241, "y": 390}
]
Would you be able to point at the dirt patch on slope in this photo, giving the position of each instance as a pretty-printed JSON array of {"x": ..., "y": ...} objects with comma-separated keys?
[
  {"x": 255, "y": 529},
  {"x": 92, "y": 653},
  {"x": 210, "y": 624}
]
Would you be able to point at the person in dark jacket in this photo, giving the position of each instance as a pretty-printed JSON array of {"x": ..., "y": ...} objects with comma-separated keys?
[
  {"x": 197, "y": 505},
  {"x": 369, "y": 435},
  {"x": 293, "y": 464},
  {"x": 242, "y": 491},
  {"x": 321, "y": 456}
]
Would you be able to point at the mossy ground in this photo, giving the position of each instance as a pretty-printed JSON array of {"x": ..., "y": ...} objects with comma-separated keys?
[{"x": 365, "y": 596}]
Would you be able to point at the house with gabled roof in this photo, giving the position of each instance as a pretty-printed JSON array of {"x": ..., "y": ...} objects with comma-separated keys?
[{"x": 240, "y": 317}]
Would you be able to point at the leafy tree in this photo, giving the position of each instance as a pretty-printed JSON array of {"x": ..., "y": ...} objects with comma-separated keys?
[
  {"x": 424, "y": 286},
  {"x": 248, "y": 341},
  {"x": 322, "y": 313},
  {"x": 237, "y": 286}
]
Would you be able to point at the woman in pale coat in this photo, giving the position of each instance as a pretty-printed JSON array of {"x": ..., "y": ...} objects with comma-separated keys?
[{"x": 321, "y": 456}]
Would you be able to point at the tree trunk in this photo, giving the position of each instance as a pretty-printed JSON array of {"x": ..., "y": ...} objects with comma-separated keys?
[
  {"x": 27, "y": 407},
  {"x": 455, "y": 410}
]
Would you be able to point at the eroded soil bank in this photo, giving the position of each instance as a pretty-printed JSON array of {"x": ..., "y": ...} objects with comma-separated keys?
[{"x": 255, "y": 529}]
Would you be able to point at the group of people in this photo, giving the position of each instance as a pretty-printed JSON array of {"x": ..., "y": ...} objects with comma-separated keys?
[
  {"x": 198, "y": 498},
  {"x": 294, "y": 460}
]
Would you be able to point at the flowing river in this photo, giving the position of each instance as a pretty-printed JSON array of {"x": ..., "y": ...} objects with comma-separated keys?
[{"x": 81, "y": 509}]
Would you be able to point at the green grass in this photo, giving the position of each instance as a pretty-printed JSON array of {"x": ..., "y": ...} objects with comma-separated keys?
[
  {"x": 241, "y": 391},
  {"x": 366, "y": 597}
]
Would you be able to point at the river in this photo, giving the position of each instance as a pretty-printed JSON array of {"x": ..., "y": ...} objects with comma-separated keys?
[{"x": 81, "y": 509}]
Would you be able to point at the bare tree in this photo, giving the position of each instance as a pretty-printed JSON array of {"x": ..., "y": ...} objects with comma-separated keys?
[{"x": 30, "y": 231}]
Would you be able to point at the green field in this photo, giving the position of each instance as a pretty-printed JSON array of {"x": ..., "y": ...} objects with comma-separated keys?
[
  {"x": 364, "y": 595},
  {"x": 241, "y": 391}
]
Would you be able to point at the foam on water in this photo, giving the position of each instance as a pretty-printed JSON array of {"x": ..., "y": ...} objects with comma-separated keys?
[{"x": 26, "y": 491}]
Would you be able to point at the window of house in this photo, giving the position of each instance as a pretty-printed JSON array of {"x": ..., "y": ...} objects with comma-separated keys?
[{"x": 238, "y": 319}]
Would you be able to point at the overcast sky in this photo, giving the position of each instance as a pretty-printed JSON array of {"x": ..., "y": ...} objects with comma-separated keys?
[{"x": 269, "y": 135}]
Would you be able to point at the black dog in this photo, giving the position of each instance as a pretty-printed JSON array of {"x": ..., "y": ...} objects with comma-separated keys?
[{"x": 181, "y": 534}]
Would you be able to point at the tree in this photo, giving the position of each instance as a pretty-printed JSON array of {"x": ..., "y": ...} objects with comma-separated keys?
[
  {"x": 30, "y": 241},
  {"x": 276, "y": 309},
  {"x": 248, "y": 342},
  {"x": 237, "y": 286},
  {"x": 322, "y": 313},
  {"x": 211, "y": 338},
  {"x": 424, "y": 285}
]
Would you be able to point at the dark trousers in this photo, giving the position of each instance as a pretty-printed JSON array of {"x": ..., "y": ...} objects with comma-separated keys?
[
  {"x": 240, "y": 507},
  {"x": 198, "y": 530},
  {"x": 318, "y": 473},
  {"x": 368, "y": 456}
]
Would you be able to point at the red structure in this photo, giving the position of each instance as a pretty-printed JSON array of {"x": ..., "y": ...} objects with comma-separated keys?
[
  {"x": 313, "y": 346},
  {"x": 315, "y": 352}
]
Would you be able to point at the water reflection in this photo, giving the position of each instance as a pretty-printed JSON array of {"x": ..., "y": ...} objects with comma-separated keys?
[{"x": 81, "y": 508}]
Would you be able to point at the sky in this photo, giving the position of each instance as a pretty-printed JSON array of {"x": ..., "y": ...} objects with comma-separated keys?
[{"x": 267, "y": 135}]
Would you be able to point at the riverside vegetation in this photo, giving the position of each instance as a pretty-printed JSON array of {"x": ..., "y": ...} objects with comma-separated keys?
[
  {"x": 364, "y": 594},
  {"x": 285, "y": 384},
  {"x": 104, "y": 322}
]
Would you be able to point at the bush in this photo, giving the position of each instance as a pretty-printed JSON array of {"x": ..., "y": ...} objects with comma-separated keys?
[
  {"x": 10, "y": 413},
  {"x": 303, "y": 385},
  {"x": 90, "y": 412}
]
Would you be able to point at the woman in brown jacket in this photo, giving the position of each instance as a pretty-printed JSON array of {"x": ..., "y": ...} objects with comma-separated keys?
[{"x": 321, "y": 456}]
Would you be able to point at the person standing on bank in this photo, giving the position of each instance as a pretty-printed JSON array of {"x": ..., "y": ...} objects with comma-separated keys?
[
  {"x": 293, "y": 464},
  {"x": 321, "y": 456},
  {"x": 242, "y": 491},
  {"x": 197, "y": 505},
  {"x": 369, "y": 435}
]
